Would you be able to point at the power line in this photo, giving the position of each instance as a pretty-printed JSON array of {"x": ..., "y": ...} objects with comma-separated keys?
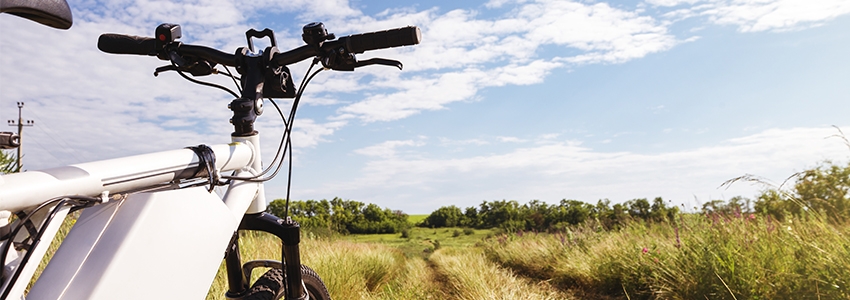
[{"x": 43, "y": 127}]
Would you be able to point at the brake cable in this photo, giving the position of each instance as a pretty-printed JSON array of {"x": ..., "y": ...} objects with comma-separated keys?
[
  {"x": 226, "y": 69},
  {"x": 202, "y": 82},
  {"x": 75, "y": 201},
  {"x": 277, "y": 162}
]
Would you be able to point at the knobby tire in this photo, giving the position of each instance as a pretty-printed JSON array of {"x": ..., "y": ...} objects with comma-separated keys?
[{"x": 270, "y": 285}]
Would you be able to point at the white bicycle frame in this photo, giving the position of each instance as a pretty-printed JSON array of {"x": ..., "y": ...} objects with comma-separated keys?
[
  {"x": 149, "y": 238},
  {"x": 149, "y": 225}
]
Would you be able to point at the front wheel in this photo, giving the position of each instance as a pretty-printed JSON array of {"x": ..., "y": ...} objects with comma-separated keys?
[{"x": 270, "y": 285}]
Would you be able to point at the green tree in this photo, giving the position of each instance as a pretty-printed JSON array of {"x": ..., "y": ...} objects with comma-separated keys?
[
  {"x": 470, "y": 217},
  {"x": 639, "y": 208},
  {"x": 659, "y": 212},
  {"x": 735, "y": 205},
  {"x": 446, "y": 216},
  {"x": 826, "y": 189},
  {"x": 574, "y": 211},
  {"x": 771, "y": 203},
  {"x": 343, "y": 216},
  {"x": 501, "y": 214},
  {"x": 538, "y": 215}
]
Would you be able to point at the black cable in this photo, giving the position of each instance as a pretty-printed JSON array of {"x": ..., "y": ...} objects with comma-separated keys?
[
  {"x": 289, "y": 139},
  {"x": 238, "y": 87},
  {"x": 280, "y": 146},
  {"x": 286, "y": 136},
  {"x": 73, "y": 200},
  {"x": 282, "y": 138},
  {"x": 289, "y": 129},
  {"x": 277, "y": 153},
  {"x": 288, "y": 183},
  {"x": 203, "y": 83}
]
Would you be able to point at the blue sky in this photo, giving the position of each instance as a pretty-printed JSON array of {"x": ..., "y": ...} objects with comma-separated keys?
[{"x": 504, "y": 99}]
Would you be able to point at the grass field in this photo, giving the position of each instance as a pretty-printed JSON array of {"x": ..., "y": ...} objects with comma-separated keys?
[
  {"x": 700, "y": 258},
  {"x": 416, "y": 219},
  {"x": 420, "y": 240}
]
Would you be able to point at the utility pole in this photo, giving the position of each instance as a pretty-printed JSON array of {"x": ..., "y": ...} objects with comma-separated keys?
[{"x": 20, "y": 123}]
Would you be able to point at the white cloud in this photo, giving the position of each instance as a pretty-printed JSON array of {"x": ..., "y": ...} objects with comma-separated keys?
[
  {"x": 502, "y": 51},
  {"x": 476, "y": 142},
  {"x": 450, "y": 65},
  {"x": 759, "y": 15},
  {"x": 510, "y": 139},
  {"x": 754, "y": 15},
  {"x": 109, "y": 105},
  {"x": 568, "y": 170},
  {"x": 386, "y": 149},
  {"x": 671, "y": 2}
]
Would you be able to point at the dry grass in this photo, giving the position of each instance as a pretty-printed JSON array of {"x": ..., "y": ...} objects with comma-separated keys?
[
  {"x": 715, "y": 257},
  {"x": 349, "y": 270},
  {"x": 470, "y": 275}
]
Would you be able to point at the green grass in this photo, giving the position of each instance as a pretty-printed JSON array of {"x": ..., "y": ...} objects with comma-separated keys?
[
  {"x": 713, "y": 257},
  {"x": 416, "y": 219},
  {"x": 350, "y": 270},
  {"x": 422, "y": 241}
]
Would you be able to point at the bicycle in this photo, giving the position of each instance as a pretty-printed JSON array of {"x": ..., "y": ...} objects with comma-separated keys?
[{"x": 138, "y": 219}]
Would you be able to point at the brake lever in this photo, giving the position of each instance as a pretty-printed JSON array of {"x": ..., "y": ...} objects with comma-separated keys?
[
  {"x": 379, "y": 61},
  {"x": 193, "y": 66},
  {"x": 163, "y": 69}
]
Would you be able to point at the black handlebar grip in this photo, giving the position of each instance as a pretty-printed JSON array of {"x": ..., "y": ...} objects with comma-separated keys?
[
  {"x": 405, "y": 36},
  {"x": 126, "y": 44}
]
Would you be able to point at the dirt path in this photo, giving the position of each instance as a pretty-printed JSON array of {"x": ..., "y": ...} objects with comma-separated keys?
[
  {"x": 467, "y": 274},
  {"x": 443, "y": 289}
]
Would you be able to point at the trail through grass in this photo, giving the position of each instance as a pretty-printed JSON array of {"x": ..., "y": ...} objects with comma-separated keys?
[
  {"x": 714, "y": 257},
  {"x": 470, "y": 276}
]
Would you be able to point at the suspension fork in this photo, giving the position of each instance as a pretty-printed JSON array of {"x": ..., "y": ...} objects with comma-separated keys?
[{"x": 289, "y": 233}]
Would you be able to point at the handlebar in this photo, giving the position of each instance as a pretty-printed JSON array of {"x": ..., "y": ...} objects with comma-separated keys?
[
  {"x": 406, "y": 36},
  {"x": 356, "y": 43},
  {"x": 126, "y": 44},
  {"x": 262, "y": 76}
]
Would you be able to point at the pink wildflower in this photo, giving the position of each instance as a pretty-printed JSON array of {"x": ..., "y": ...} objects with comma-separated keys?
[{"x": 645, "y": 250}]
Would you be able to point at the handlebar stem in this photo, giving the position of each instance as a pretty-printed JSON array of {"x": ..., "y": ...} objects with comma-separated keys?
[{"x": 248, "y": 107}]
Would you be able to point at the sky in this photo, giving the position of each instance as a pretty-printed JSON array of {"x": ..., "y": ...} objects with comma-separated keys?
[{"x": 503, "y": 99}]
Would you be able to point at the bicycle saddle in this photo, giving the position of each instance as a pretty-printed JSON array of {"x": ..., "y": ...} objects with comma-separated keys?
[{"x": 53, "y": 13}]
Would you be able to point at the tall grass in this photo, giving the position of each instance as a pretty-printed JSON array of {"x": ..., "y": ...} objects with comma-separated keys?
[
  {"x": 468, "y": 275},
  {"x": 714, "y": 257},
  {"x": 349, "y": 270}
]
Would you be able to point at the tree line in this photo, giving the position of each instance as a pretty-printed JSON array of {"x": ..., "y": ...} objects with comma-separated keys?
[
  {"x": 822, "y": 192},
  {"x": 536, "y": 215},
  {"x": 343, "y": 216}
]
